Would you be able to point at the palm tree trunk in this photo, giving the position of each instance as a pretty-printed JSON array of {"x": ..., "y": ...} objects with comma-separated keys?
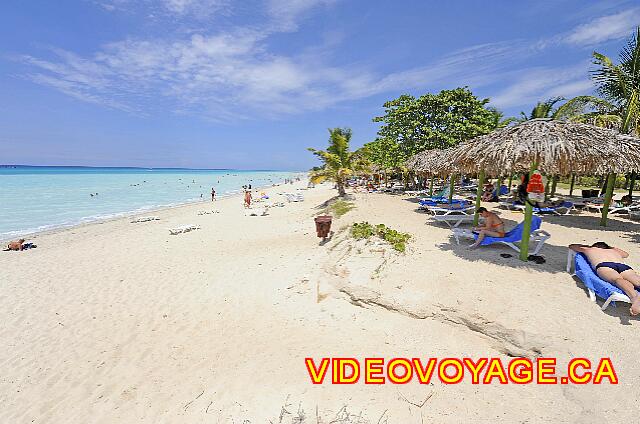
[{"x": 341, "y": 190}]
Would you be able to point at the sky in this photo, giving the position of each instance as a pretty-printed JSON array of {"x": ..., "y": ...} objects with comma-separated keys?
[{"x": 251, "y": 84}]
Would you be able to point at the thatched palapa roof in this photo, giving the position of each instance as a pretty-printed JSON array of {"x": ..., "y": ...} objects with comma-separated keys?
[
  {"x": 433, "y": 162},
  {"x": 558, "y": 147}
]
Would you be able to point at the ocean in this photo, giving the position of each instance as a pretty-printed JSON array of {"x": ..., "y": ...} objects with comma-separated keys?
[{"x": 34, "y": 199}]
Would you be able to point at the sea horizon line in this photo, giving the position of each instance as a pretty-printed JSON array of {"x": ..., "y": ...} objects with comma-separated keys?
[{"x": 142, "y": 167}]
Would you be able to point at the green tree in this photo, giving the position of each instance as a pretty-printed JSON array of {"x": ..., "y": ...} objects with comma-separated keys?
[
  {"x": 385, "y": 153},
  {"x": 435, "y": 120},
  {"x": 498, "y": 119},
  {"x": 588, "y": 109},
  {"x": 339, "y": 161},
  {"x": 619, "y": 84},
  {"x": 544, "y": 109}
]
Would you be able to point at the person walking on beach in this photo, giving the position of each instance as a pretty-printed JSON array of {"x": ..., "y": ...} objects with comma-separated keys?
[
  {"x": 247, "y": 198},
  {"x": 608, "y": 263},
  {"x": 213, "y": 194}
]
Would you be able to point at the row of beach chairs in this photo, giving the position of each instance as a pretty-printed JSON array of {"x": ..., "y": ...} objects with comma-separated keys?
[{"x": 577, "y": 264}]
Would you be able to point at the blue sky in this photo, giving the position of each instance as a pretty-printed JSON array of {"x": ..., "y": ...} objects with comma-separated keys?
[{"x": 251, "y": 84}]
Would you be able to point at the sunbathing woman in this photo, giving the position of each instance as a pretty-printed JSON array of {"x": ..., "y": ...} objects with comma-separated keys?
[
  {"x": 608, "y": 264},
  {"x": 493, "y": 227},
  {"x": 16, "y": 245}
]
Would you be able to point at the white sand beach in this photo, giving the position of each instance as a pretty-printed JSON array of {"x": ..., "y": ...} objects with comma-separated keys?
[{"x": 120, "y": 322}]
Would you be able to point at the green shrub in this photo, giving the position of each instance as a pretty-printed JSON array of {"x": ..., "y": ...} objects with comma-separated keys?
[
  {"x": 362, "y": 230},
  {"x": 396, "y": 239},
  {"x": 340, "y": 207}
]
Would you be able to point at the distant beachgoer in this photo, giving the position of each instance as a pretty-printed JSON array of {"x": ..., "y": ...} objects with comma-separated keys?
[
  {"x": 213, "y": 194},
  {"x": 626, "y": 200},
  {"x": 201, "y": 195},
  {"x": 247, "y": 198},
  {"x": 609, "y": 265},
  {"x": 249, "y": 186},
  {"x": 16, "y": 245},
  {"x": 493, "y": 227},
  {"x": 487, "y": 193}
]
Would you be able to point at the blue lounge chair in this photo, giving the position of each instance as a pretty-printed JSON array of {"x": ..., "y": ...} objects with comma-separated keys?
[
  {"x": 594, "y": 284},
  {"x": 512, "y": 237},
  {"x": 462, "y": 207},
  {"x": 443, "y": 197},
  {"x": 564, "y": 208}
]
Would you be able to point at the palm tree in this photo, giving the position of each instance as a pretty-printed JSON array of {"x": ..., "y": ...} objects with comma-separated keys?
[
  {"x": 620, "y": 84},
  {"x": 499, "y": 120},
  {"x": 339, "y": 162},
  {"x": 542, "y": 110}
]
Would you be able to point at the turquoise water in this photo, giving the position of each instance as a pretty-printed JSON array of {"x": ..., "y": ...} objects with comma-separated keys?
[{"x": 41, "y": 198}]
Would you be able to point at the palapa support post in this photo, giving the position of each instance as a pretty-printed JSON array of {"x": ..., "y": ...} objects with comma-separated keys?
[
  {"x": 526, "y": 227},
  {"x": 431, "y": 186},
  {"x": 632, "y": 182},
  {"x": 573, "y": 180},
  {"x": 611, "y": 181},
  {"x": 510, "y": 181},
  {"x": 554, "y": 185},
  {"x": 451, "y": 185},
  {"x": 478, "y": 196},
  {"x": 546, "y": 188}
]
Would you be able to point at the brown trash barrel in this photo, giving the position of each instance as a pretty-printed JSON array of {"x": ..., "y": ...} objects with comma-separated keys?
[{"x": 323, "y": 225}]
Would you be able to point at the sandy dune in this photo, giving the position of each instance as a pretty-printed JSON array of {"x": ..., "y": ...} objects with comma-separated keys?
[{"x": 120, "y": 322}]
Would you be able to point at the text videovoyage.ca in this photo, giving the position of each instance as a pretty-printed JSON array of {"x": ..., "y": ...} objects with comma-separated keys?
[{"x": 458, "y": 370}]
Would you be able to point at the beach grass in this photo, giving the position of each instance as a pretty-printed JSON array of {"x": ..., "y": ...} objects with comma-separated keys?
[{"x": 340, "y": 207}]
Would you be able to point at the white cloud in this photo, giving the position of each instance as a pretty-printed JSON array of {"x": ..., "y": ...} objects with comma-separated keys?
[
  {"x": 286, "y": 13},
  {"x": 199, "y": 9},
  {"x": 528, "y": 86},
  {"x": 234, "y": 74},
  {"x": 605, "y": 28}
]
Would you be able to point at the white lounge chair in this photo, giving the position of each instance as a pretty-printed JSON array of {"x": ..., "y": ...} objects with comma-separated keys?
[
  {"x": 452, "y": 210},
  {"x": 613, "y": 209},
  {"x": 262, "y": 211},
  {"x": 565, "y": 208},
  {"x": 294, "y": 197},
  {"x": 144, "y": 219},
  {"x": 453, "y": 221},
  {"x": 183, "y": 229}
]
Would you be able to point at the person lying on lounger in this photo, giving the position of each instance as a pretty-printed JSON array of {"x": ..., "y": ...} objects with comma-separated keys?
[
  {"x": 608, "y": 264},
  {"x": 493, "y": 226}
]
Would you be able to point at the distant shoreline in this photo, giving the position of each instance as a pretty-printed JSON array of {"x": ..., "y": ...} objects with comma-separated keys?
[
  {"x": 15, "y": 166},
  {"x": 56, "y": 228}
]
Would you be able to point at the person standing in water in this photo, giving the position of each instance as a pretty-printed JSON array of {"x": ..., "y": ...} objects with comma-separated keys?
[{"x": 213, "y": 194}]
